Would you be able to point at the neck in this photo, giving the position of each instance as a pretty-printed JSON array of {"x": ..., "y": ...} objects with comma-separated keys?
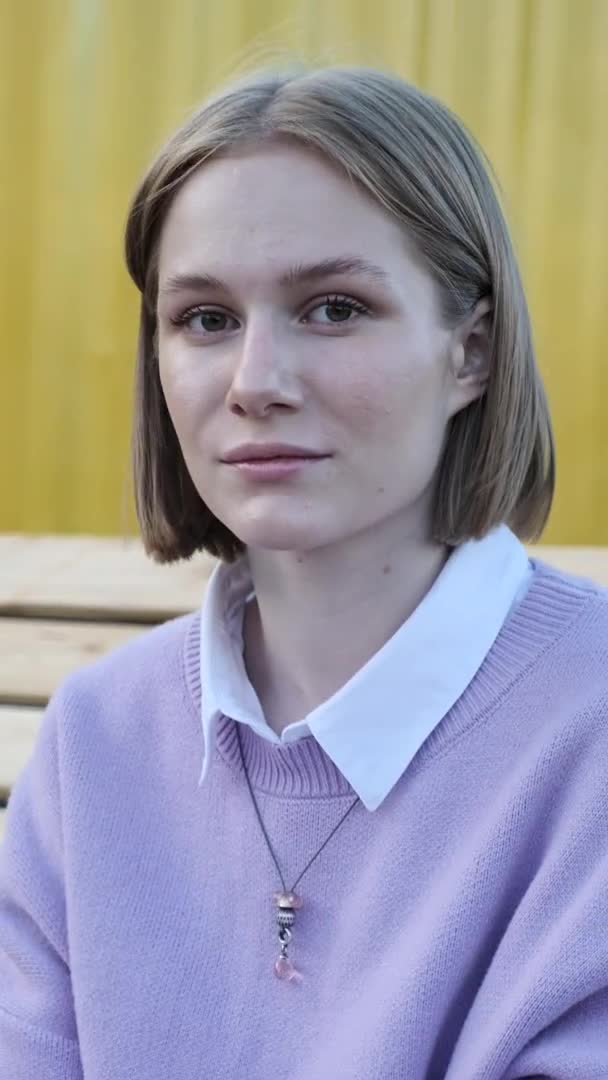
[{"x": 319, "y": 616}]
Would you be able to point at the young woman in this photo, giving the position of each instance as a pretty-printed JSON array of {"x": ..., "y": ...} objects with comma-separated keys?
[{"x": 349, "y": 818}]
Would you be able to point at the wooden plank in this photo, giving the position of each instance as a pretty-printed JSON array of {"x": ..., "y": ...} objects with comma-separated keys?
[
  {"x": 19, "y": 726},
  {"x": 96, "y": 578},
  {"x": 113, "y": 579},
  {"x": 35, "y": 655}
]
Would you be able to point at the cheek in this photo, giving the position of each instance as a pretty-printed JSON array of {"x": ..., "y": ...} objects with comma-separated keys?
[
  {"x": 177, "y": 406},
  {"x": 392, "y": 401},
  {"x": 184, "y": 396},
  {"x": 394, "y": 414}
]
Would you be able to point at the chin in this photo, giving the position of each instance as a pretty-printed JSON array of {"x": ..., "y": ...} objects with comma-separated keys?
[{"x": 285, "y": 536}]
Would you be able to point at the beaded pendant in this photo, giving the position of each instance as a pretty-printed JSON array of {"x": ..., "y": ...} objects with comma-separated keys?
[{"x": 287, "y": 904}]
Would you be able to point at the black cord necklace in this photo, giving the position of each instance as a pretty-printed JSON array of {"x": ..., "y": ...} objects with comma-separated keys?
[{"x": 288, "y": 902}]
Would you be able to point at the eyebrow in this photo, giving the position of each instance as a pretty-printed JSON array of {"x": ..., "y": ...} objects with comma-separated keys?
[{"x": 300, "y": 273}]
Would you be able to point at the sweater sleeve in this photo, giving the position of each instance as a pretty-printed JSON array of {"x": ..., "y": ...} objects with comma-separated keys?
[
  {"x": 38, "y": 1035},
  {"x": 562, "y": 944},
  {"x": 542, "y": 1008}
]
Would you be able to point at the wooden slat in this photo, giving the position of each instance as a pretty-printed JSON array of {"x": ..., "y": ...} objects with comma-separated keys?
[
  {"x": 18, "y": 730},
  {"x": 35, "y": 655},
  {"x": 96, "y": 578},
  {"x": 113, "y": 579}
]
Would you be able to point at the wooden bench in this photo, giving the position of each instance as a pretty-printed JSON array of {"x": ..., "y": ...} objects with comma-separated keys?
[{"x": 65, "y": 600}]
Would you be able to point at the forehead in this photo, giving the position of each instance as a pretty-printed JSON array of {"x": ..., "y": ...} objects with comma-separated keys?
[{"x": 274, "y": 202}]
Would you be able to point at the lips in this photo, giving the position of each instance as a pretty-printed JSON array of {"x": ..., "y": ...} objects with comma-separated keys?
[
  {"x": 279, "y": 457},
  {"x": 270, "y": 451}
]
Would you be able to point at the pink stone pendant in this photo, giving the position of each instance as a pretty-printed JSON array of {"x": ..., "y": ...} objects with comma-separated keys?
[
  {"x": 287, "y": 904},
  {"x": 285, "y": 970},
  {"x": 288, "y": 900}
]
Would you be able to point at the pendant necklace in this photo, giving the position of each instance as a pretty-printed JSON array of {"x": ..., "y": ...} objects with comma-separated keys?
[{"x": 287, "y": 901}]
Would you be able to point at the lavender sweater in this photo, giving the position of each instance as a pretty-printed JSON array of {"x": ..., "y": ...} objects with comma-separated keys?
[{"x": 460, "y": 932}]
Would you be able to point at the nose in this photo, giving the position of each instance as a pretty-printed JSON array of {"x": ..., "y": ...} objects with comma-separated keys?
[{"x": 263, "y": 373}]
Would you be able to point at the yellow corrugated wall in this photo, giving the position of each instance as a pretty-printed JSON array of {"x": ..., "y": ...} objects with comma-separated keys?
[{"x": 89, "y": 90}]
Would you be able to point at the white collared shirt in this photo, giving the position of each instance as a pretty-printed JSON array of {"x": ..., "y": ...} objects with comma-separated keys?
[{"x": 372, "y": 727}]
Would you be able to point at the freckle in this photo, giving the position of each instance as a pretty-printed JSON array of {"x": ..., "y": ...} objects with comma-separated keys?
[
  {"x": 381, "y": 490},
  {"x": 386, "y": 569}
]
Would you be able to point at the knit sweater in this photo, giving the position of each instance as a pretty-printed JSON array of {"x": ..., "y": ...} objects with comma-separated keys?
[{"x": 457, "y": 933}]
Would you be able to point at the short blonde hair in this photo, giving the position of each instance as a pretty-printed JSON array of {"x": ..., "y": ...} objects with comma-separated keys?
[{"x": 419, "y": 161}]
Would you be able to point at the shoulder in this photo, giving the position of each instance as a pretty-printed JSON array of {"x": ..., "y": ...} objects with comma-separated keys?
[
  {"x": 147, "y": 673},
  {"x": 570, "y": 613},
  {"x": 114, "y": 711},
  {"x": 555, "y": 643},
  {"x": 579, "y": 604}
]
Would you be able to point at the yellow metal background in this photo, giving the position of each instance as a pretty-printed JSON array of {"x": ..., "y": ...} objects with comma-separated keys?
[{"x": 91, "y": 88}]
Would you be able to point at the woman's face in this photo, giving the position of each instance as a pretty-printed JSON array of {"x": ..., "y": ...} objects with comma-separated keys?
[{"x": 312, "y": 324}]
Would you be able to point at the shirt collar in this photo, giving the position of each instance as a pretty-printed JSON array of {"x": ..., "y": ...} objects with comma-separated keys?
[{"x": 372, "y": 727}]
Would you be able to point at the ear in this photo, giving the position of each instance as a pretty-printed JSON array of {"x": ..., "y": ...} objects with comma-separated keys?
[{"x": 470, "y": 356}]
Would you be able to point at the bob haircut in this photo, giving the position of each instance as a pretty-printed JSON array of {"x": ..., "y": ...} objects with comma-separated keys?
[{"x": 418, "y": 160}]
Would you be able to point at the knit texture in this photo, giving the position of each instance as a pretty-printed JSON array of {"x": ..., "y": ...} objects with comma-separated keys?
[{"x": 457, "y": 933}]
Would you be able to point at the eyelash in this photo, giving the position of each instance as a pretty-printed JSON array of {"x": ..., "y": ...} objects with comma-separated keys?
[{"x": 334, "y": 300}]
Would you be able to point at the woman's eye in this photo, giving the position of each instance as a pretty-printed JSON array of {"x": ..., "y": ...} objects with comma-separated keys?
[
  {"x": 209, "y": 321},
  {"x": 335, "y": 310},
  {"x": 212, "y": 321}
]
